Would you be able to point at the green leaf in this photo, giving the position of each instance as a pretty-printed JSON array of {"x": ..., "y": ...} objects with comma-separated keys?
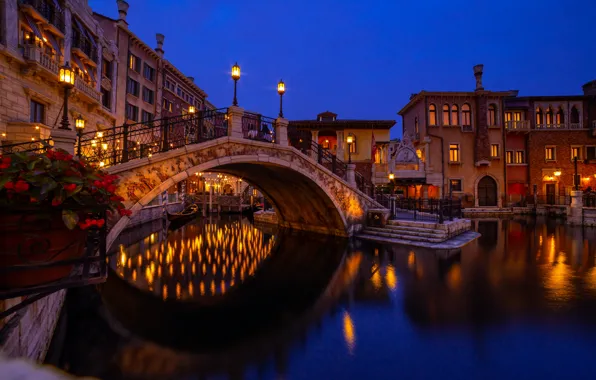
[
  {"x": 3, "y": 180},
  {"x": 70, "y": 219},
  {"x": 77, "y": 180},
  {"x": 32, "y": 164}
]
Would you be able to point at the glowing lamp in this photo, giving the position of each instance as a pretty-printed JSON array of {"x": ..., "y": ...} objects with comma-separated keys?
[
  {"x": 350, "y": 139},
  {"x": 191, "y": 109},
  {"x": 281, "y": 87},
  {"x": 66, "y": 76},
  {"x": 236, "y": 72},
  {"x": 80, "y": 123},
  {"x": 557, "y": 173},
  {"x": 391, "y": 176}
]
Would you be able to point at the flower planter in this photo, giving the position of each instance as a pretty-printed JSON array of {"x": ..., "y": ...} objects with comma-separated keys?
[{"x": 33, "y": 239}]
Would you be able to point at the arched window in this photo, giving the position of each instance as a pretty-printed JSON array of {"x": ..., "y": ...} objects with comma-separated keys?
[
  {"x": 466, "y": 115},
  {"x": 574, "y": 115},
  {"x": 432, "y": 114},
  {"x": 446, "y": 115},
  {"x": 549, "y": 116},
  {"x": 560, "y": 116},
  {"x": 492, "y": 115},
  {"x": 539, "y": 116},
  {"x": 454, "y": 115}
]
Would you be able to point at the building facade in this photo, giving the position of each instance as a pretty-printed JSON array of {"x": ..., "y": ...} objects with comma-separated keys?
[
  {"x": 332, "y": 133},
  {"x": 458, "y": 137},
  {"x": 37, "y": 37}
]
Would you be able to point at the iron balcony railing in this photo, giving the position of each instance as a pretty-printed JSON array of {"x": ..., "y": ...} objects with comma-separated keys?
[
  {"x": 433, "y": 210},
  {"x": 38, "y": 146},
  {"x": 47, "y": 9},
  {"x": 517, "y": 125},
  {"x": 467, "y": 128},
  {"x": 258, "y": 127},
  {"x": 589, "y": 199},
  {"x": 86, "y": 47},
  {"x": 131, "y": 141},
  {"x": 553, "y": 200}
]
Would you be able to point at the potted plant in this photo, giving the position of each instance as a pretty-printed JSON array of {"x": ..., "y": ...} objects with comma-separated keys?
[{"x": 48, "y": 201}]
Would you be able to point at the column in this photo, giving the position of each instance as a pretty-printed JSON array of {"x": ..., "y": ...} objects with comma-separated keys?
[
  {"x": 281, "y": 131},
  {"x": 10, "y": 20},
  {"x": 424, "y": 191},
  {"x": 351, "y": 174},
  {"x": 340, "y": 145},
  {"x": 67, "y": 33},
  {"x": 99, "y": 65},
  {"x": 235, "y": 122},
  {"x": 575, "y": 210},
  {"x": 114, "y": 80},
  {"x": 314, "y": 135},
  {"x": 64, "y": 139}
]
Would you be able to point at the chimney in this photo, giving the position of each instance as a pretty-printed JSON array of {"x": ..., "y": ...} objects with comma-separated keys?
[
  {"x": 589, "y": 88},
  {"x": 192, "y": 79},
  {"x": 159, "y": 49},
  {"x": 478, "y": 75},
  {"x": 122, "y": 10}
]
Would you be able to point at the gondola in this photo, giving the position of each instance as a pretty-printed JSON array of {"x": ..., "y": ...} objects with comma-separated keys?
[{"x": 185, "y": 214}]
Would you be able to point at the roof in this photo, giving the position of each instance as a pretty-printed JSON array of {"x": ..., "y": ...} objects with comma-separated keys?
[
  {"x": 133, "y": 36},
  {"x": 547, "y": 97},
  {"x": 183, "y": 77},
  {"x": 415, "y": 98},
  {"x": 343, "y": 124}
]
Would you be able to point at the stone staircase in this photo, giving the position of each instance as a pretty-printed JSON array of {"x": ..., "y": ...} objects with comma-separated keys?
[{"x": 417, "y": 233}]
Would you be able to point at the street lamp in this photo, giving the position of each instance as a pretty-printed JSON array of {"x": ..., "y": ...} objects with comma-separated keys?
[
  {"x": 235, "y": 76},
  {"x": 80, "y": 126},
  {"x": 67, "y": 79},
  {"x": 191, "y": 110},
  {"x": 576, "y": 176},
  {"x": 281, "y": 89},
  {"x": 350, "y": 141},
  {"x": 391, "y": 178}
]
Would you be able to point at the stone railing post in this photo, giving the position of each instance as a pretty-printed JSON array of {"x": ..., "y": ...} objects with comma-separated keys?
[
  {"x": 281, "y": 131},
  {"x": 351, "y": 174},
  {"x": 64, "y": 139},
  {"x": 575, "y": 212},
  {"x": 235, "y": 114}
]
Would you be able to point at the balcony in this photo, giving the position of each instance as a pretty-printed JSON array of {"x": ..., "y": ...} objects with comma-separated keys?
[
  {"x": 518, "y": 125},
  {"x": 36, "y": 56},
  {"x": 44, "y": 11},
  {"x": 467, "y": 128},
  {"x": 84, "y": 47},
  {"x": 87, "y": 89},
  {"x": 558, "y": 127}
]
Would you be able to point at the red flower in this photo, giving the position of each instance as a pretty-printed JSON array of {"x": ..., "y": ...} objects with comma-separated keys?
[
  {"x": 56, "y": 202},
  {"x": 111, "y": 188},
  {"x": 5, "y": 163},
  {"x": 99, "y": 223},
  {"x": 70, "y": 187},
  {"x": 9, "y": 185},
  {"x": 98, "y": 184},
  {"x": 34, "y": 200},
  {"x": 21, "y": 186},
  {"x": 116, "y": 198},
  {"x": 124, "y": 212}
]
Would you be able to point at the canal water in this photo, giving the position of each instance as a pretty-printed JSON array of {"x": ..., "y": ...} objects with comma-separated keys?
[{"x": 224, "y": 299}]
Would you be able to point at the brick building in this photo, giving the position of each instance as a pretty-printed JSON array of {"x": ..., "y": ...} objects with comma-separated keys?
[
  {"x": 37, "y": 37},
  {"x": 544, "y": 134},
  {"x": 458, "y": 139}
]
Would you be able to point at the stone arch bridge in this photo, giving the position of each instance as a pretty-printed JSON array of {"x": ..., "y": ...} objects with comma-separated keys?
[{"x": 306, "y": 195}]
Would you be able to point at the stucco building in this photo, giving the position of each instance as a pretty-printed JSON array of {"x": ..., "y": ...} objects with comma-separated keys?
[
  {"x": 458, "y": 138},
  {"x": 37, "y": 37},
  {"x": 332, "y": 133}
]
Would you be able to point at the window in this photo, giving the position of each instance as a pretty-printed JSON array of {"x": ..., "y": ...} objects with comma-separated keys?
[
  {"x": 325, "y": 144},
  {"x": 576, "y": 151},
  {"x": 454, "y": 154},
  {"x": 106, "y": 98},
  {"x": 574, "y": 115},
  {"x": 146, "y": 116},
  {"x": 132, "y": 87},
  {"x": 132, "y": 112},
  {"x": 550, "y": 153},
  {"x": 446, "y": 115},
  {"x": 353, "y": 144},
  {"x": 509, "y": 156},
  {"x": 454, "y": 115},
  {"x": 492, "y": 115},
  {"x": 549, "y": 116},
  {"x": 416, "y": 128},
  {"x": 167, "y": 105},
  {"x": 520, "y": 157},
  {"x": 517, "y": 116},
  {"x": 455, "y": 185},
  {"x": 466, "y": 115},
  {"x": 134, "y": 63},
  {"x": 539, "y": 116},
  {"x": 148, "y": 95},
  {"x": 37, "y": 112},
  {"x": 507, "y": 116},
  {"x": 494, "y": 150},
  {"x": 591, "y": 153},
  {"x": 149, "y": 72},
  {"x": 432, "y": 115},
  {"x": 179, "y": 91},
  {"x": 106, "y": 69},
  {"x": 560, "y": 116}
]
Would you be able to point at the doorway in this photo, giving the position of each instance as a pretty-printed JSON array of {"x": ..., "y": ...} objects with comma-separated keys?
[
  {"x": 487, "y": 192},
  {"x": 550, "y": 193}
]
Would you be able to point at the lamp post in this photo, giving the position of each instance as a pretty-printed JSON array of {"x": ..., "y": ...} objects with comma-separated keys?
[
  {"x": 66, "y": 78},
  {"x": 235, "y": 76},
  {"x": 281, "y": 89},
  {"x": 391, "y": 178},
  {"x": 350, "y": 141},
  {"x": 80, "y": 126},
  {"x": 576, "y": 176}
]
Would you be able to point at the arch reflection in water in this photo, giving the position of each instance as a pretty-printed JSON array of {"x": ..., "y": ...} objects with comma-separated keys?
[{"x": 212, "y": 260}]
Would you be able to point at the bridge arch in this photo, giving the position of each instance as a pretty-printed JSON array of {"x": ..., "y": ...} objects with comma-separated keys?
[{"x": 306, "y": 195}]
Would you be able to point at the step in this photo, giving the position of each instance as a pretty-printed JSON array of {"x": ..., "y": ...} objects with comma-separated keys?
[
  {"x": 409, "y": 237},
  {"x": 415, "y": 224},
  {"x": 407, "y": 232},
  {"x": 415, "y": 229}
]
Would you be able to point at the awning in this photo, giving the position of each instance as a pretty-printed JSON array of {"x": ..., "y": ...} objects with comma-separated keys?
[
  {"x": 53, "y": 42},
  {"x": 78, "y": 61},
  {"x": 84, "y": 31},
  {"x": 33, "y": 26},
  {"x": 92, "y": 73}
]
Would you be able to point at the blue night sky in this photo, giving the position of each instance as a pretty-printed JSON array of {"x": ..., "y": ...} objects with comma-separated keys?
[{"x": 363, "y": 59}]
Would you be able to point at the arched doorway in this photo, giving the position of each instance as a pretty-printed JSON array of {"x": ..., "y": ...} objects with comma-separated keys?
[{"x": 487, "y": 192}]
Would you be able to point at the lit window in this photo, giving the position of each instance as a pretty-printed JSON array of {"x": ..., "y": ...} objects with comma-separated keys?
[
  {"x": 432, "y": 115},
  {"x": 509, "y": 156},
  {"x": 454, "y": 154},
  {"x": 455, "y": 185},
  {"x": 353, "y": 144},
  {"x": 549, "y": 153},
  {"x": 539, "y": 116},
  {"x": 549, "y": 116},
  {"x": 454, "y": 115},
  {"x": 134, "y": 63},
  {"x": 446, "y": 119},
  {"x": 517, "y": 116},
  {"x": 576, "y": 151},
  {"x": 466, "y": 115},
  {"x": 507, "y": 116},
  {"x": 494, "y": 150},
  {"x": 560, "y": 116},
  {"x": 520, "y": 157},
  {"x": 492, "y": 115}
]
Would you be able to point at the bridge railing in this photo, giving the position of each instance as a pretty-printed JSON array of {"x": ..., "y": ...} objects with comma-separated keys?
[
  {"x": 37, "y": 146},
  {"x": 120, "y": 144},
  {"x": 258, "y": 127}
]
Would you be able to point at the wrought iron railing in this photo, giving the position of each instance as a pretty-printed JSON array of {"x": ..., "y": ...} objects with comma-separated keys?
[
  {"x": 38, "y": 146},
  {"x": 434, "y": 210},
  {"x": 130, "y": 141},
  {"x": 47, "y": 9},
  {"x": 258, "y": 127},
  {"x": 553, "y": 200},
  {"x": 517, "y": 125},
  {"x": 85, "y": 45},
  {"x": 589, "y": 199}
]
